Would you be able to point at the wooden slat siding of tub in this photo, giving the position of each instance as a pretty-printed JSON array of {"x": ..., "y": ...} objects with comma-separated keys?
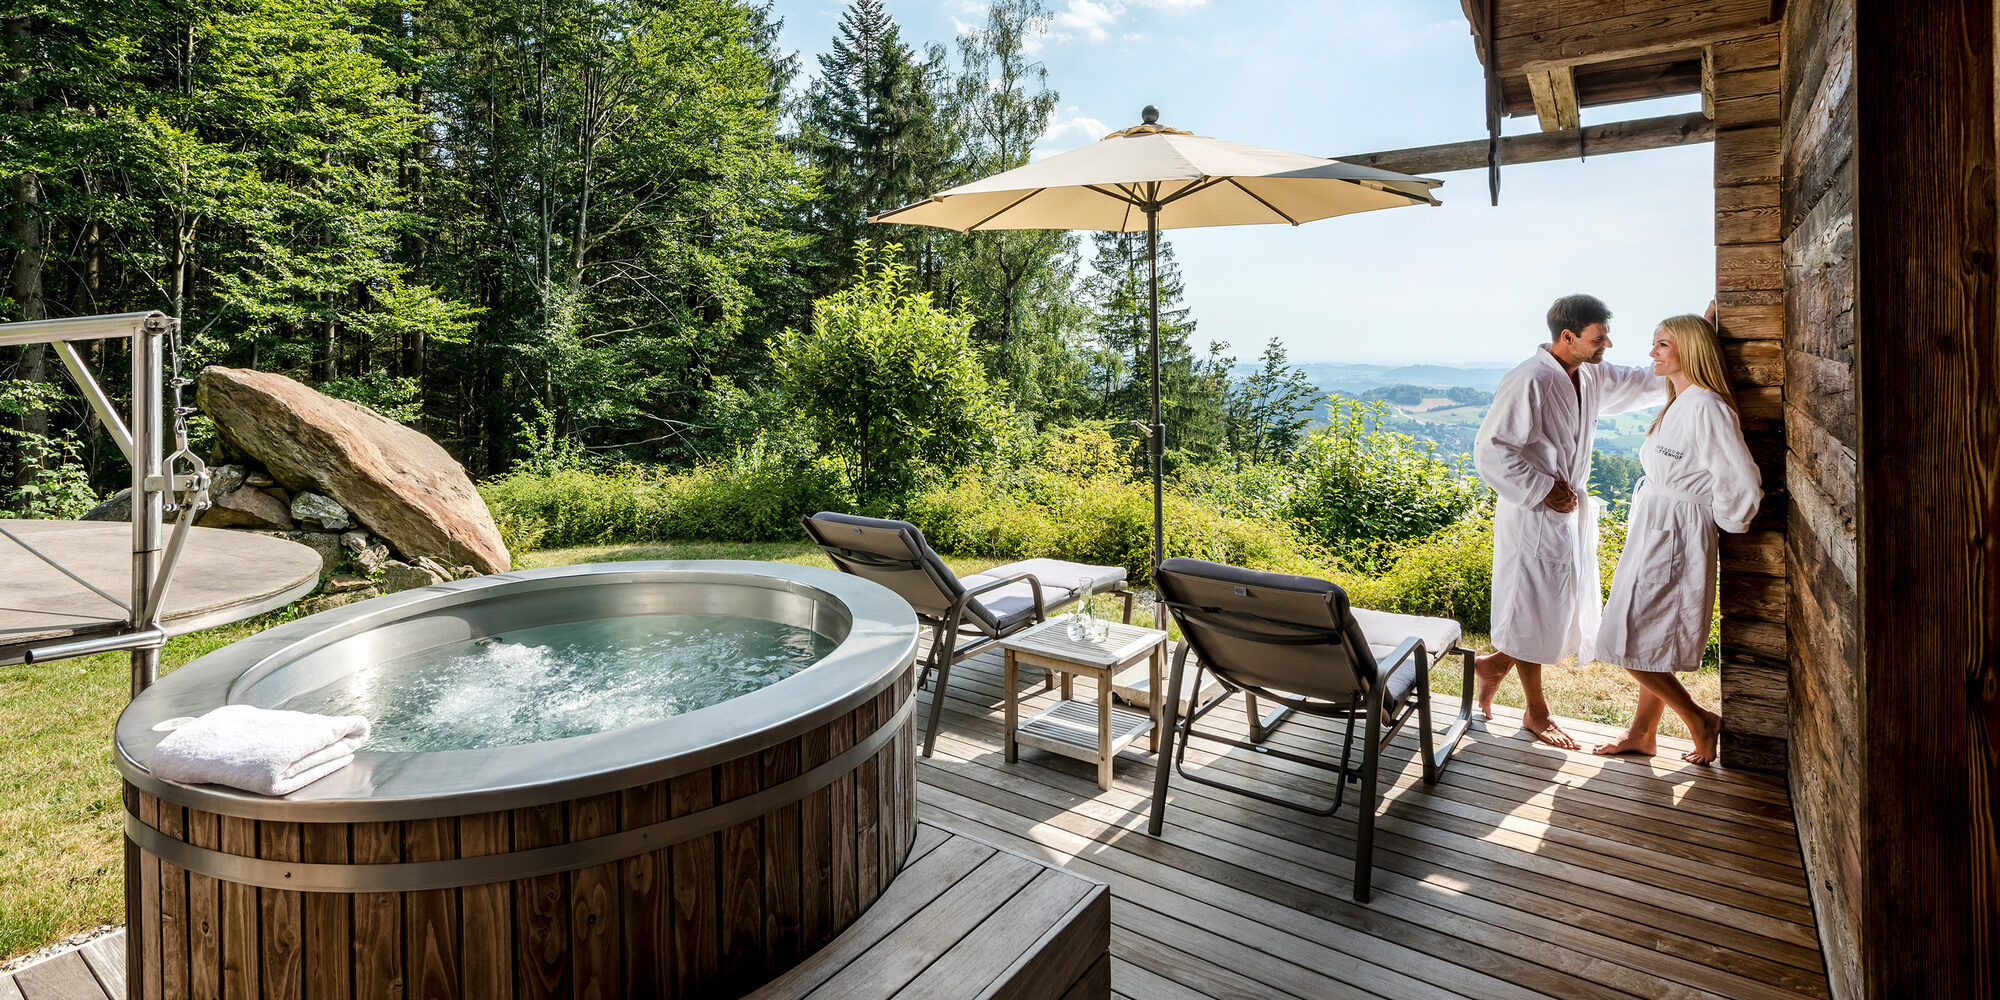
[
  {"x": 329, "y": 919},
  {"x": 378, "y": 916},
  {"x": 204, "y": 829},
  {"x": 816, "y": 835},
  {"x": 648, "y": 896},
  {"x": 430, "y": 919},
  {"x": 867, "y": 812},
  {"x": 172, "y": 821},
  {"x": 149, "y": 904},
  {"x": 784, "y": 847},
  {"x": 541, "y": 918},
  {"x": 885, "y": 784},
  {"x": 842, "y": 882},
  {"x": 743, "y": 961},
  {"x": 280, "y": 918},
  {"x": 595, "y": 932},
  {"x": 695, "y": 907},
  {"x": 240, "y": 967},
  {"x": 486, "y": 912}
]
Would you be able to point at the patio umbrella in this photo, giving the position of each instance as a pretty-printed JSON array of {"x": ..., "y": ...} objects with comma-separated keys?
[{"x": 1152, "y": 177}]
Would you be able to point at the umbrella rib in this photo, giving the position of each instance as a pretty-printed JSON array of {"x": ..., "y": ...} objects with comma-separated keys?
[
  {"x": 1010, "y": 207},
  {"x": 1261, "y": 201},
  {"x": 1120, "y": 195},
  {"x": 1197, "y": 187}
]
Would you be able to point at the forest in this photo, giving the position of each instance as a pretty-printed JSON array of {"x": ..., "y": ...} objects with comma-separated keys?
[{"x": 614, "y": 256}]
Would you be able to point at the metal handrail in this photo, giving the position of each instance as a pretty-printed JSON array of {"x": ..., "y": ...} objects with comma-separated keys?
[{"x": 140, "y": 440}]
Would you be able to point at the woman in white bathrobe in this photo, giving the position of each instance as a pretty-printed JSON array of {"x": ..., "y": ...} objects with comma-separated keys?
[{"x": 1699, "y": 478}]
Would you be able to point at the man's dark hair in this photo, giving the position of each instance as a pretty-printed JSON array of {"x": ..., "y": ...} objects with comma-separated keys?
[{"x": 1574, "y": 312}]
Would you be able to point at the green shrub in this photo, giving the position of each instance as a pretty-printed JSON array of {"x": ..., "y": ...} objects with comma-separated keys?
[
  {"x": 1103, "y": 519},
  {"x": 753, "y": 499},
  {"x": 1362, "y": 489},
  {"x": 1448, "y": 574}
]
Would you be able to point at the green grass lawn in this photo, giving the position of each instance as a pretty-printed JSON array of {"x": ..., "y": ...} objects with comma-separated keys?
[{"x": 60, "y": 850}]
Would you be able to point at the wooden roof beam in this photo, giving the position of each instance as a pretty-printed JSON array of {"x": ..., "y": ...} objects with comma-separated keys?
[
  {"x": 1684, "y": 26},
  {"x": 1555, "y": 98},
  {"x": 1595, "y": 140}
]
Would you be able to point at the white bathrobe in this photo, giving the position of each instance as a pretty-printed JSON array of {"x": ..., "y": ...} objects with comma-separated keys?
[
  {"x": 1540, "y": 430},
  {"x": 1699, "y": 477}
]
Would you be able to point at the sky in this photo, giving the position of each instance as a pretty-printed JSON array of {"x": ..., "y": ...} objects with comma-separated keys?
[{"x": 1465, "y": 283}]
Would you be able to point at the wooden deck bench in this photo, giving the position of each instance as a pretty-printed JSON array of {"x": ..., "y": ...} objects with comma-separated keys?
[{"x": 964, "y": 920}]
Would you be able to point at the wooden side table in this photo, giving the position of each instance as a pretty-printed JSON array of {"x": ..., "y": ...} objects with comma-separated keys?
[{"x": 1093, "y": 729}]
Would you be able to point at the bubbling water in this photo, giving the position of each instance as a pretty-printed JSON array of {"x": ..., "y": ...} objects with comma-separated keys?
[{"x": 569, "y": 679}]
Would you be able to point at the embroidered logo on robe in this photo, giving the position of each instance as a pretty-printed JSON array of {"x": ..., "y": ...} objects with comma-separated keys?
[{"x": 1669, "y": 452}]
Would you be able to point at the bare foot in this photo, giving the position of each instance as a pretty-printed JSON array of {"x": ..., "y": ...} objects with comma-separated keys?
[
  {"x": 1629, "y": 743},
  {"x": 1546, "y": 730},
  {"x": 1704, "y": 751},
  {"x": 1488, "y": 671}
]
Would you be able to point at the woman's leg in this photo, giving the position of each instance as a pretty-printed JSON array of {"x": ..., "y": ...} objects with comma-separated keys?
[
  {"x": 1704, "y": 724},
  {"x": 1640, "y": 735}
]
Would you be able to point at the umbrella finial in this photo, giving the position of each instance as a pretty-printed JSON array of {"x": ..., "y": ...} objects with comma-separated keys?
[{"x": 1151, "y": 115}]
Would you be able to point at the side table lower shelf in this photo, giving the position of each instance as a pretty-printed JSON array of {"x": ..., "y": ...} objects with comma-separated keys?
[{"x": 1069, "y": 728}]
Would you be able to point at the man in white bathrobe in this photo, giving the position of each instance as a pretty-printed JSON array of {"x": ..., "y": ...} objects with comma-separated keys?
[{"x": 1534, "y": 449}]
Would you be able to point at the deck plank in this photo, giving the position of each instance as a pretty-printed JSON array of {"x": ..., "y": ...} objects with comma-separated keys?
[
  {"x": 64, "y": 977},
  {"x": 1524, "y": 872}
]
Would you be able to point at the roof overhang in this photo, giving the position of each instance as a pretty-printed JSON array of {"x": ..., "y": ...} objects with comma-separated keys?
[{"x": 1550, "y": 58}]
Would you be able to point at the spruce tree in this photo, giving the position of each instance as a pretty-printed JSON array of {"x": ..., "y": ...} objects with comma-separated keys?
[{"x": 870, "y": 130}]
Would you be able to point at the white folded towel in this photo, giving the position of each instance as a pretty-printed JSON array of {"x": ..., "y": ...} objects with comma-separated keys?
[{"x": 259, "y": 749}]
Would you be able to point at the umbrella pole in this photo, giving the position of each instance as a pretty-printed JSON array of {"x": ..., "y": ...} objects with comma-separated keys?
[{"x": 1157, "y": 438}]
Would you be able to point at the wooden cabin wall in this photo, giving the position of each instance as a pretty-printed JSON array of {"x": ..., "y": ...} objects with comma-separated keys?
[
  {"x": 1893, "y": 418},
  {"x": 1749, "y": 281},
  {"x": 1822, "y": 438}
]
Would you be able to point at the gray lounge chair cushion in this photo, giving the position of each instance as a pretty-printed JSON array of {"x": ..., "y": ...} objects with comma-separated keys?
[
  {"x": 1386, "y": 631},
  {"x": 1059, "y": 580},
  {"x": 1313, "y": 603},
  {"x": 892, "y": 540}
]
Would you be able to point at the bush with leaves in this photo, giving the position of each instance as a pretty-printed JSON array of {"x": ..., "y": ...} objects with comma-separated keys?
[
  {"x": 757, "y": 495},
  {"x": 1362, "y": 489},
  {"x": 888, "y": 383}
]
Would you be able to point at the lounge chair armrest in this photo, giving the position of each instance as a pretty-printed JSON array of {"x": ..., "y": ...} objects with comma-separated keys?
[
  {"x": 1033, "y": 584},
  {"x": 1388, "y": 664}
]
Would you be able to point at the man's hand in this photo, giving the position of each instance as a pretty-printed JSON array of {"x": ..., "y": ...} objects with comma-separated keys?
[{"x": 1561, "y": 498}]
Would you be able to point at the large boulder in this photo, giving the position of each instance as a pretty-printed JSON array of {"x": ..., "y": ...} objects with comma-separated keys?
[{"x": 395, "y": 481}]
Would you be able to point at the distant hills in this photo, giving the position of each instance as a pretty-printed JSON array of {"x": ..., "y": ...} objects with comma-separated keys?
[
  {"x": 1355, "y": 379},
  {"x": 1449, "y": 422}
]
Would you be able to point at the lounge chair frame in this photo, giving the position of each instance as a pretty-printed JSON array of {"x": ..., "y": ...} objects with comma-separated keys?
[
  {"x": 1382, "y": 722},
  {"x": 946, "y": 650}
]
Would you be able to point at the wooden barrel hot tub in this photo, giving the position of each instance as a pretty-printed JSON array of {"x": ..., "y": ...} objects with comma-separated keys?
[{"x": 698, "y": 855}]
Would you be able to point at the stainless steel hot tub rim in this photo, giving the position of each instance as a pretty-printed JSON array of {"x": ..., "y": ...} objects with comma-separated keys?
[{"x": 880, "y": 645}]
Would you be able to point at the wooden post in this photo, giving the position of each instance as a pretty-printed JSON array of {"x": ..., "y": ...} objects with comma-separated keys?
[{"x": 1749, "y": 282}]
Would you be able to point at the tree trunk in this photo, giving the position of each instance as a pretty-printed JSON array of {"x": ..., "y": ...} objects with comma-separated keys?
[{"x": 24, "y": 275}]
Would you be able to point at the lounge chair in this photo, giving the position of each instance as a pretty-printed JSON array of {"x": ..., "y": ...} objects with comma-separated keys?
[
  {"x": 1295, "y": 640},
  {"x": 994, "y": 604}
]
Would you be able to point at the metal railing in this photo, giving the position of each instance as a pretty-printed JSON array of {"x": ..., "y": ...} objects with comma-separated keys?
[{"x": 139, "y": 437}]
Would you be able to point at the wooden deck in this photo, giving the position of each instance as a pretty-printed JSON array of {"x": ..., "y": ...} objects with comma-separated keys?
[{"x": 1525, "y": 872}]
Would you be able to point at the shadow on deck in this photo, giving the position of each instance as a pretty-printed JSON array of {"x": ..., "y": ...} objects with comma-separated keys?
[{"x": 1525, "y": 871}]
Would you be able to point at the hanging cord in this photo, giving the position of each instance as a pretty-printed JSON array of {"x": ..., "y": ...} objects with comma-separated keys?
[{"x": 196, "y": 493}]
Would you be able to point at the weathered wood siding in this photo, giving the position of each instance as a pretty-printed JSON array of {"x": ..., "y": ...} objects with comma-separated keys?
[
  {"x": 1893, "y": 421},
  {"x": 1749, "y": 283},
  {"x": 1818, "y": 223},
  {"x": 1927, "y": 365}
]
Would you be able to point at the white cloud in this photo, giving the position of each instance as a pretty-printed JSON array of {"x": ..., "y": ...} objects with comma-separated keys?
[
  {"x": 1093, "y": 20},
  {"x": 1087, "y": 19},
  {"x": 1073, "y": 131}
]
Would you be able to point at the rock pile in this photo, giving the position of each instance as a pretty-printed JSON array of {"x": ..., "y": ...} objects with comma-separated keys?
[{"x": 383, "y": 505}]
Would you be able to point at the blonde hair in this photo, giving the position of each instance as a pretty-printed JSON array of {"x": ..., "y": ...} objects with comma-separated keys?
[{"x": 1700, "y": 355}]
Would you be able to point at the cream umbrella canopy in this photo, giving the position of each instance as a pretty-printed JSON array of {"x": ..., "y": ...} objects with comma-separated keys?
[{"x": 1151, "y": 177}]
